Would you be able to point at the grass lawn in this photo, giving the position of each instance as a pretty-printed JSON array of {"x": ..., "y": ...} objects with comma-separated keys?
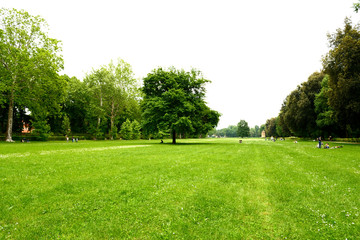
[{"x": 197, "y": 189}]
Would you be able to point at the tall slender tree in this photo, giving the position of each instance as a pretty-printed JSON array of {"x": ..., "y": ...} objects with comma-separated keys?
[
  {"x": 29, "y": 61},
  {"x": 111, "y": 90}
]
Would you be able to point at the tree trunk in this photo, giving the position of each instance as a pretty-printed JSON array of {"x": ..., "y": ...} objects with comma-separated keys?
[
  {"x": 112, "y": 119},
  {"x": 99, "y": 119},
  {"x": 10, "y": 119},
  {"x": 173, "y": 137}
]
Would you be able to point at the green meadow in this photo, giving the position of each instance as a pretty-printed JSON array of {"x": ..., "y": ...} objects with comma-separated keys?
[{"x": 196, "y": 189}]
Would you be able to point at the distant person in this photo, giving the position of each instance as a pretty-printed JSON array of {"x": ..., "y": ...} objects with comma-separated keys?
[
  {"x": 161, "y": 141},
  {"x": 319, "y": 142}
]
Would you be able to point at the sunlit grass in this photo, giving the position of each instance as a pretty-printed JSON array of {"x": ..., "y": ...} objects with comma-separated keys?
[{"x": 197, "y": 189}]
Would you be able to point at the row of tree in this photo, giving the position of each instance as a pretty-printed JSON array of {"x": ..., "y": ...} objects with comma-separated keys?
[
  {"x": 328, "y": 103},
  {"x": 107, "y": 102},
  {"x": 240, "y": 130}
]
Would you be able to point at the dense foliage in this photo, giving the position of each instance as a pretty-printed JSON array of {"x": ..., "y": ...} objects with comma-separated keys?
[
  {"x": 243, "y": 129},
  {"x": 328, "y": 104},
  {"x": 174, "y": 104},
  {"x": 29, "y": 65},
  {"x": 232, "y": 131},
  {"x": 105, "y": 104}
]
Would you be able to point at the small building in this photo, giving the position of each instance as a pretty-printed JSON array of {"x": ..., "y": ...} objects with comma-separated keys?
[
  {"x": 26, "y": 128},
  {"x": 263, "y": 135}
]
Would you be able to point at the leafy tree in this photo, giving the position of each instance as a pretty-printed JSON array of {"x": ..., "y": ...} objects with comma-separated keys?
[
  {"x": 42, "y": 128},
  {"x": 281, "y": 122},
  {"x": 111, "y": 89},
  {"x": 122, "y": 89},
  {"x": 270, "y": 127},
  {"x": 255, "y": 131},
  {"x": 29, "y": 62},
  {"x": 96, "y": 85},
  {"x": 342, "y": 64},
  {"x": 66, "y": 125},
  {"x": 298, "y": 112},
  {"x": 243, "y": 129},
  {"x": 126, "y": 130},
  {"x": 174, "y": 103},
  {"x": 135, "y": 126},
  {"x": 231, "y": 131},
  {"x": 76, "y": 105},
  {"x": 325, "y": 114}
]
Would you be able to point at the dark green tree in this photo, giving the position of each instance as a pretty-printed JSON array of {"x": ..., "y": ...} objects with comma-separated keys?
[
  {"x": 325, "y": 114},
  {"x": 231, "y": 131},
  {"x": 243, "y": 129},
  {"x": 342, "y": 64},
  {"x": 270, "y": 127},
  {"x": 76, "y": 105},
  {"x": 174, "y": 103},
  {"x": 298, "y": 112}
]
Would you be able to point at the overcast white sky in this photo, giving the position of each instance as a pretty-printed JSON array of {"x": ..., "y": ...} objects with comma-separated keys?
[{"x": 254, "y": 52}]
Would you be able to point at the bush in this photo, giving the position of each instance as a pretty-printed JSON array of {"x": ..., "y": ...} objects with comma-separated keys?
[{"x": 41, "y": 131}]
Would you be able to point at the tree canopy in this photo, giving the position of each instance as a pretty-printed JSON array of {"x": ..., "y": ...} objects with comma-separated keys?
[
  {"x": 174, "y": 103},
  {"x": 328, "y": 103},
  {"x": 243, "y": 129},
  {"x": 30, "y": 62},
  {"x": 342, "y": 64},
  {"x": 298, "y": 111}
]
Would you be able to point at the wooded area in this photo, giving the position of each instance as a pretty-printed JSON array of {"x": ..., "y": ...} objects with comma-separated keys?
[
  {"x": 110, "y": 103},
  {"x": 328, "y": 103}
]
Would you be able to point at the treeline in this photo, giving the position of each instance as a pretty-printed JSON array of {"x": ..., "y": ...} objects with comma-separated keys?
[
  {"x": 328, "y": 103},
  {"x": 104, "y": 104},
  {"x": 107, "y": 103},
  {"x": 240, "y": 130}
]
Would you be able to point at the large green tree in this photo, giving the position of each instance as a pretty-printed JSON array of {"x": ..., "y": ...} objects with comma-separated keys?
[
  {"x": 112, "y": 89},
  {"x": 342, "y": 64},
  {"x": 75, "y": 105},
  {"x": 243, "y": 129},
  {"x": 29, "y": 63},
  {"x": 298, "y": 111},
  {"x": 174, "y": 103},
  {"x": 325, "y": 114}
]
